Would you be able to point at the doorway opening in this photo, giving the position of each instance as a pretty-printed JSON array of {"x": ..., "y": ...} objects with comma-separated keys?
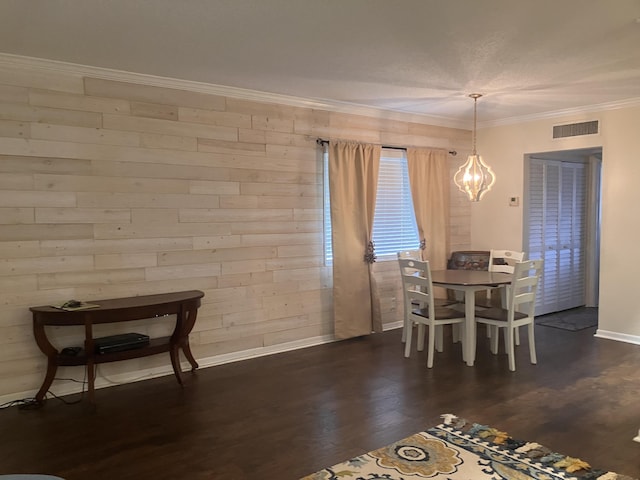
[{"x": 562, "y": 226}]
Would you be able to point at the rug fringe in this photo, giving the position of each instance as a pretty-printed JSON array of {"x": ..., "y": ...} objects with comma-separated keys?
[
  {"x": 528, "y": 447},
  {"x": 532, "y": 450},
  {"x": 608, "y": 476},
  {"x": 448, "y": 418}
]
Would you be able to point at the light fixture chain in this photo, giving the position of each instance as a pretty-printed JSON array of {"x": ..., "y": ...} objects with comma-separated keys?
[
  {"x": 474, "y": 135},
  {"x": 475, "y": 116}
]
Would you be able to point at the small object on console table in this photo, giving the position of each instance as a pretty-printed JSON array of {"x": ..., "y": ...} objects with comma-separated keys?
[
  {"x": 72, "y": 305},
  {"x": 184, "y": 305}
]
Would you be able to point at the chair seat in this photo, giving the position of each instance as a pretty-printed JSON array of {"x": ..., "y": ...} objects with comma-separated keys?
[
  {"x": 442, "y": 313},
  {"x": 483, "y": 305},
  {"x": 499, "y": 314},
  {"x": 490, "y": 301},
  {"x": 444, "y": 302},
  {"x": 440, "y": 302}
]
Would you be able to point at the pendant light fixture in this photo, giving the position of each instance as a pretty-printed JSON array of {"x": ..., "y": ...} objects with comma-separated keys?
[{"x": 474, "y": 178}]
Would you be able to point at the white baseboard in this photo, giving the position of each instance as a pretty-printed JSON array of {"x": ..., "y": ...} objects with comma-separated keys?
[
  {"x": 619, "y": 337},
  {"x": 103, "y": 381},
  {"x": 263, "y": 351},
  {"x": 392, "y": 326}
]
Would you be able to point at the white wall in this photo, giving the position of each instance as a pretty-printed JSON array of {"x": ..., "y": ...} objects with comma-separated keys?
[{"x": 494, "y": 222}]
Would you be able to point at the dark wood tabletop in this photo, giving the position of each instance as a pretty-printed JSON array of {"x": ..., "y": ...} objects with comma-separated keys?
[{"x": 470, "y": 277}]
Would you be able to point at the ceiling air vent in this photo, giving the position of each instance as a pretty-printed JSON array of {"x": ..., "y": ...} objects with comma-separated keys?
[{"x": 575, "y": 129}]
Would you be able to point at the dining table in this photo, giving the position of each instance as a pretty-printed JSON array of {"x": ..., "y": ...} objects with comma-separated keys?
[{"x": 469, "y": 282}]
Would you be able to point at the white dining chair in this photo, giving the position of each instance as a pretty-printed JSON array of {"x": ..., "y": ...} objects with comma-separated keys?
[
  {"x": 420, "y": 308},
  {"x": 500, "y": 261},
  {"x": 519, "y": 311},
  {"x": 440, "y": 302}
]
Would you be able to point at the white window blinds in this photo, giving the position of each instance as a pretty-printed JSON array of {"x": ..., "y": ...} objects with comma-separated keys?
[{"x": 394, "y": 224}]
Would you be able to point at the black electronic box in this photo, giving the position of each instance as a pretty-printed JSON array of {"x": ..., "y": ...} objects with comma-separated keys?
[{"x": 120, "y": 342}]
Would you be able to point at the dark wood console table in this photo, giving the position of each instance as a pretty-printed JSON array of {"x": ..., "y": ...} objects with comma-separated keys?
[{"x": 182, "y": 304}]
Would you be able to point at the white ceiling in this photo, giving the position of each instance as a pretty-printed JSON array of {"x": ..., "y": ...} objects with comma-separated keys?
[{"x": 528, "y": 58}]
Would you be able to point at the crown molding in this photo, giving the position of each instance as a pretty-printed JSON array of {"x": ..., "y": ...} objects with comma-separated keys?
[
  {"x": 226, "y": 91},
  {"x": 7, "y": 59},
  {"x": 584, "y": 110}
]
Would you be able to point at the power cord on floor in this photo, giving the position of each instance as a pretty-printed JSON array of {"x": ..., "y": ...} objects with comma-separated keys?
[
  {"x": 23, "y": 403},
  {"x": 83, "y": 382},
  {"x": 66, "y": 402},
  {"x": 31, "y": 403}
]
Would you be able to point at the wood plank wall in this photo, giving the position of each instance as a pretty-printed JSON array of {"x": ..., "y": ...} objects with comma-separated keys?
[{"x": 111, "y": 188}]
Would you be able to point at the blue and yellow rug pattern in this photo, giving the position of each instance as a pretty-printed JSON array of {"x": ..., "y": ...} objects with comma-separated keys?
[{"x": 460, "y": 450}]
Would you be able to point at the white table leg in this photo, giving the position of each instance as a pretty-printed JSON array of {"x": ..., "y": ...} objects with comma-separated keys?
[{"x": 469, "y": 324}]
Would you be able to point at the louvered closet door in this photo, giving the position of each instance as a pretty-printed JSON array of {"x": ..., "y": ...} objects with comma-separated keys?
[{"x": 556, "y": 216}]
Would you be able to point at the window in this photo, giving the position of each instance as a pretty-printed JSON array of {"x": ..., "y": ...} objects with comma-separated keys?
[{"x": 394, "y": 223}]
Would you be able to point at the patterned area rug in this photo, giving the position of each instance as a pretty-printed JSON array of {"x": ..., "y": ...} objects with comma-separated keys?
[
  {"x": 574, "y": 319},
  {"x": 460, "y": 450}
]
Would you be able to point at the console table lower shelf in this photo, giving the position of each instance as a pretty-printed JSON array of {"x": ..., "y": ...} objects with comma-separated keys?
[{"x": 184, "y": 305}]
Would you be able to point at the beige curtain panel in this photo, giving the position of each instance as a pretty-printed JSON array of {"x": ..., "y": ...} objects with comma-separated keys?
[
  {"x": 353, "y": 180},
  {"x": 429, "y": 180}
]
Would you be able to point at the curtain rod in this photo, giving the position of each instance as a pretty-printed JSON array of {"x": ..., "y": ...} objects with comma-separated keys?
[{"x": 321, "y": 141}]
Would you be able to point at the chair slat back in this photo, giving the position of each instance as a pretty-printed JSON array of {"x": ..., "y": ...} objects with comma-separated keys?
[
  {"x": 524, "y": 286},
  {"x": 416, "y": 281},
  {"x": 411, "y": 254},
  {"x": 508, "y": 260}
]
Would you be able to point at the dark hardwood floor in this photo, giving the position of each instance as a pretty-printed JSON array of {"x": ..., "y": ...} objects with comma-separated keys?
[{"x": 288, "y": 415}]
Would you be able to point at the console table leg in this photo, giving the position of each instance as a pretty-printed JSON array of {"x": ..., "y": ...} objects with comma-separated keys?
[
  {"x": 175, "y": 362},
  {"x": 187, "y": 353},
  {"x": 52, "y": 367},
  {"x": 91, "y": 379}
]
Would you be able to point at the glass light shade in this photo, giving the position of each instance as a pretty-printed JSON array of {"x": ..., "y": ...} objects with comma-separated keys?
[{"x": 474, "y": 178}]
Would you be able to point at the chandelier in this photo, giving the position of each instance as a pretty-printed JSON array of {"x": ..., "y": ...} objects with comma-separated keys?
[{"x": 474, "y": 178}]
